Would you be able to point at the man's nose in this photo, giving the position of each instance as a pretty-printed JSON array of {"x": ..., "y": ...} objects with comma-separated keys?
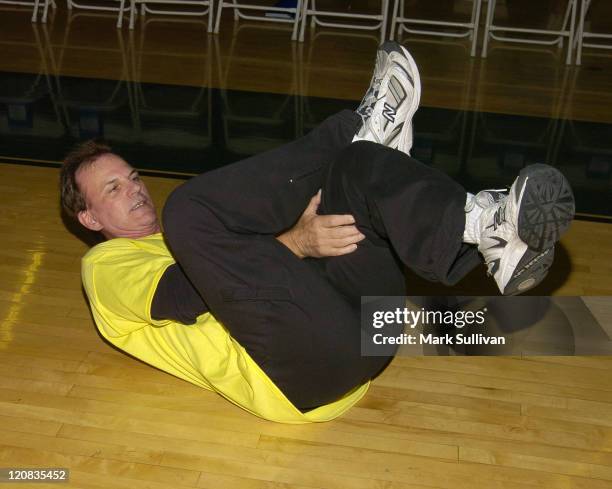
[{"x": 135, "y": 187}]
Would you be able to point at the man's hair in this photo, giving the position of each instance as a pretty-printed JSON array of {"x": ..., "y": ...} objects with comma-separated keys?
[{"x": 82, "y": 155}]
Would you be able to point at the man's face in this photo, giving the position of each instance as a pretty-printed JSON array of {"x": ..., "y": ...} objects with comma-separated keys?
[{"x": 118, "y": 203}]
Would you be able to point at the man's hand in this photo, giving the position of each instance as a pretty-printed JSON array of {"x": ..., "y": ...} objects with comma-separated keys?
[{"x": 318, "y": 236}]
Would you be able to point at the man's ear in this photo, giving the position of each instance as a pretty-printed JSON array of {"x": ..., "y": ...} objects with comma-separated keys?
[{"x": 88, "y": 220}]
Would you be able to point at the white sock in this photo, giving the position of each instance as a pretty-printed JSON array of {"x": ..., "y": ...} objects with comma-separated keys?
[{"x": 471, "y": 233}]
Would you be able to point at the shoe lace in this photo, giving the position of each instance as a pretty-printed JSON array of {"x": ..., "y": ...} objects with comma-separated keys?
[
  {"x": 485, "y": 198},
  {"x": 370, "y": 98}
]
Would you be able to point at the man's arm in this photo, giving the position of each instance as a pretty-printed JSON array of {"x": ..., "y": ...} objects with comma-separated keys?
[
  {"x": 175, "y": 298},
  {"x": 120, "y": 277},
  {"x": 312, "y": 236}
]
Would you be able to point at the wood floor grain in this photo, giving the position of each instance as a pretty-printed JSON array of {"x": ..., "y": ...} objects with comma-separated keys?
[{"x": 69, "y": 399}]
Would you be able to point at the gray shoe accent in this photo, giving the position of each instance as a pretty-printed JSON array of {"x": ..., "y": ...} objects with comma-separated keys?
[
  {"x": 547, "y": 207},
  {"x": 408, "y": 75},
  {"x": 396, "y": 96},
  {"x": 394, "y": 134},
  {"x": 531, "y": 270}
]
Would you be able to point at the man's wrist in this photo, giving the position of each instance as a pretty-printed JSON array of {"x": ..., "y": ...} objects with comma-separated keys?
[{"x": 288, "y": 239}]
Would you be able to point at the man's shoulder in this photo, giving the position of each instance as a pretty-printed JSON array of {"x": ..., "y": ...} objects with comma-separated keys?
[
  {"x": 124, "y": 247},
  {"x": 124, "y": 263}
]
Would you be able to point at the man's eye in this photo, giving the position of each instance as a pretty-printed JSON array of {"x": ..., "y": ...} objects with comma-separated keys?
[
  {"x": 114, "y": 188},
  {"x": 136, "y": 178}
]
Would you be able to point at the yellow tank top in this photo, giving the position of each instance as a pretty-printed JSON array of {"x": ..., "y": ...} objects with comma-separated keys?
[{"x": 120, "y": 277}]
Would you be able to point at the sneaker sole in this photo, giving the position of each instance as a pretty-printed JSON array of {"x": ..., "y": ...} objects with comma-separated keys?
[
  {"x": 390, "y": 47},
  {"x": 530, "y": 271},
  {"x": 547, "y": 206}
]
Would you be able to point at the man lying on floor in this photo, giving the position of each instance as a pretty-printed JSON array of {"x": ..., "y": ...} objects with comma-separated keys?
[{"x": 253, "y": 289}]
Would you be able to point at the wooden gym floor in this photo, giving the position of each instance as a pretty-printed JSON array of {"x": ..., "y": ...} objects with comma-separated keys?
[{"x": 68, "y": 399}]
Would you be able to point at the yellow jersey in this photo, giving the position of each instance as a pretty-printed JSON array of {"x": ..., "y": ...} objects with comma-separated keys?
[{"x": 120, "y": 277}]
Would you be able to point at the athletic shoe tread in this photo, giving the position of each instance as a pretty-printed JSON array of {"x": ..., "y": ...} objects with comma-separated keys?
[{"x": 547, "y": 206}]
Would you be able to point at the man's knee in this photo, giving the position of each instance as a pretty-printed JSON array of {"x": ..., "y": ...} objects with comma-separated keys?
[
  {"x": 176, "y": 213},
  {"x": 354, "y": 166},
  {"x": 189, "y": 213}
]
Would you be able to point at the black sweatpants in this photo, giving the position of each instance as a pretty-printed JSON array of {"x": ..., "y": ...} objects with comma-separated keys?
[{"x": 299, "y": 319}]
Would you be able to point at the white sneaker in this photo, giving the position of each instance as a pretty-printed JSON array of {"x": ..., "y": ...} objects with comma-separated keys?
[
  {"x": 518, "y": 233},
  {"x": 474, "y": 206},
  {"x": 392, "y": 99}
]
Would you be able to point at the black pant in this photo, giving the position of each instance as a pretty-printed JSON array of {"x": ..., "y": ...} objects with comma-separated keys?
[{"x": 299, "y": 319}]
